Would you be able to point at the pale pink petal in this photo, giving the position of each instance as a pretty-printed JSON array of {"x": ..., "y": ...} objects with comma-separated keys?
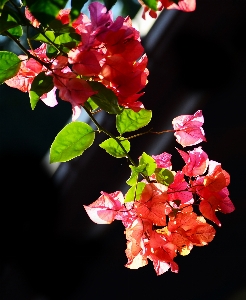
[
  {"x": 184, "y": 5},
  {"x": 163, "y": 160},
  {"x": 76, "y": 109},
  {"x": 99, "y": 15},
  {"x": 100, "y": 215},
  {"x": 188, "y": 129},
  {"x": 196, "y": 162},
  {"x": 50, "y": 98}
]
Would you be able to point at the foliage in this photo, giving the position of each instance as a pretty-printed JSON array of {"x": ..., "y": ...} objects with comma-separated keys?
[{"x": 96, "y": 64}]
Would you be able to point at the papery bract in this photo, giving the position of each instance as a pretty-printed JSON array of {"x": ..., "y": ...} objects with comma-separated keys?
[
  {"x": 153, "y": 204},
  {"x": 163, "y": 160},
  {"x": 196, "y": 162},
  {"x": 29, "y": 69},
  {"x": 188, "y": 129},
  {"x": 50, "y": 98},
  {"x": 105, "y": 209},
  {"x": 178, "y": 190},
  {"x": 217, "y": 178},
  {"x": 31, "y": 18}
]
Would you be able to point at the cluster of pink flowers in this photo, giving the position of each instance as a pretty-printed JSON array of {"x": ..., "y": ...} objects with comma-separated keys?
[
  {"x": 110, "y": 52},
  {"x": 162, "y": 222}
]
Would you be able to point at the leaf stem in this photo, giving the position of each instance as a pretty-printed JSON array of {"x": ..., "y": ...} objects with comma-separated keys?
[
  {"x": 163, "y": 131},
  {"x": 100, "y": 128},
  {"x": 149, "y": 131}
]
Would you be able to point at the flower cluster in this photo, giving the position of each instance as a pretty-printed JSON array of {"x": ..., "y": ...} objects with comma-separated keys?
[
  {"x": 110, "y": 52},
  {"x": 168, "y": 211}
]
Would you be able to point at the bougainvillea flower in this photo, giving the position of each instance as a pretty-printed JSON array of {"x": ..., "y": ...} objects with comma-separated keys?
[
  {"x": 144, "y": 243},
  {"x": 192, "y": 227},
  {"x": 31, "y": 18},
  {"x": 217, "y": 178},
  {"x": 105, "y": 208},
  {"x": 163, "y": 160},
  {"x": 188, "y": 129},
  {"x": 153, "y": 204},
  {"x": 178, "y": 190},
  {"x": 86, "y": 63},
  {"x": 77, "y": 91},
  {"x": 29, "y": 69},
  {"x": 184, "y": 5},
  {"x": 50, "y": 98},
  {"x": 196, "y": 162},
  {"x": 63, "y": 16}
]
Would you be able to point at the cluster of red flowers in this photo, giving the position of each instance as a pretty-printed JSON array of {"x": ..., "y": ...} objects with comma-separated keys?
[
  {"x": 162, "y": 222},
  {"x": 110, "y": 52}
]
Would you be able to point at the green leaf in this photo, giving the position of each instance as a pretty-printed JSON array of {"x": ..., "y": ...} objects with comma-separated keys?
[
  {"x": 51, "y": 51},
  {"x": 67, "y": 40},
  {"x": 130, "y": 120},
  {"x": 151, "y": 4},
  {"x": 44, "y": 38},
  {"x": 135, "y": 172},
  {"x": 71, "y": 142},
  {"x": 90, "y": 104},
  {"x": 109, "y": 3},
  {"x": 2, "y": 3},
  {"x": 9, "y": 65},
  {"x": 76, "y": 7},
  {"x": 135, "y": 192},
  {"x": 149, "y": 164},
  {"x": 114, "y": 149},
  {"x": 164, "y": 176},
  {"x": 16, "y": 31},
  {"x": 105, "y": 98},
  {"x": 134, "y": 176},
  {"x": 41, "y": 84},
  {"x": 9, "y": 19},
  {"x": 45, "y": 10}
]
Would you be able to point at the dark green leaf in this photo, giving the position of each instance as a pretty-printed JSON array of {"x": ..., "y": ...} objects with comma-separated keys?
[
  {"x": 2, "y": 3},
  {"x": 151, "y": 4},
  {"x": 45, "y": 10},
  {"x": 135, "y": 192},
  {"x": 9, "y": 65},
  {"x": 9, "y": 19},
  {"x": 130, "y": 120},
  {"x": 76, "y": 6},
  {"x": 51, "y": 51},
  {"x": 59, "y": 27},
  {"x": 41, "y": 84},
  {"x": 105, "y": 98},
  {"x": 164, "y": 176},
  {"x": 109, "y": 3},
  {"x": 71, "y": 142},
  {"x": 114, "y": 149}
]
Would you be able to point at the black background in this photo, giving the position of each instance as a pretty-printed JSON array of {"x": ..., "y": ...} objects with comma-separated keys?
[{"x": 50, "y": 248}]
